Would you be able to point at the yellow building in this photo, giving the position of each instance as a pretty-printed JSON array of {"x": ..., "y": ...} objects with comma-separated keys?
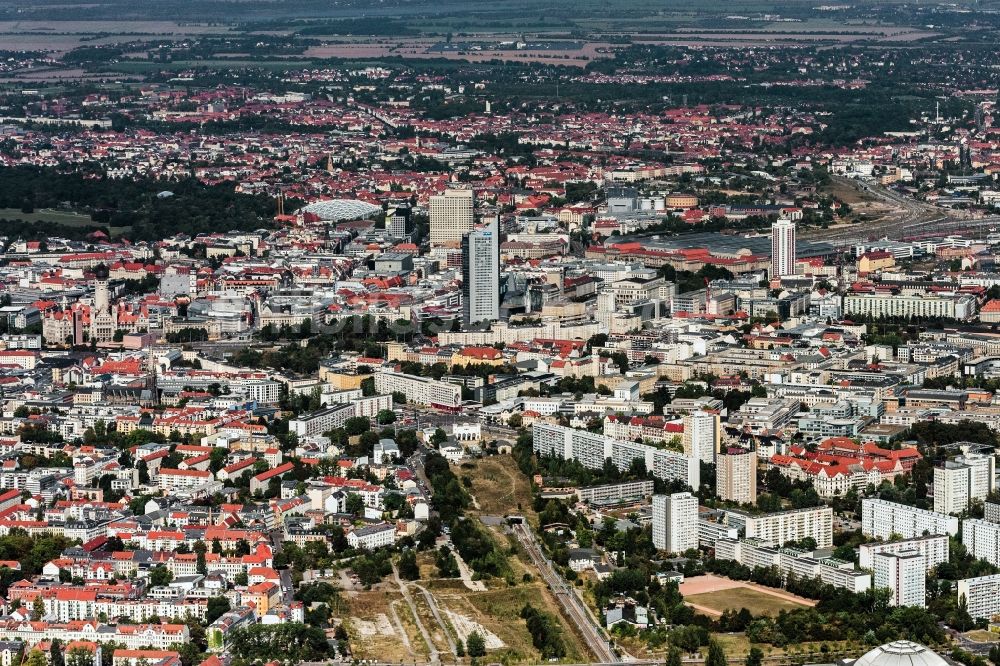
[{"x": 871, "y": 262}]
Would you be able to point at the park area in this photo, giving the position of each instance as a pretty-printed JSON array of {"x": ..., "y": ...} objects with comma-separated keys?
[{"x": 713, "y": 595}]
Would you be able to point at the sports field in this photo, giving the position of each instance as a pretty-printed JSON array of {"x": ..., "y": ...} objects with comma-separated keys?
[{"x": 712, "y": 595}]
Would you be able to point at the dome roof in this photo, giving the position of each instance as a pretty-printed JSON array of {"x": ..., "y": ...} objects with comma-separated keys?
[
  {"x": 901, "y": 653},
  {"x": 336, "y": 210}
]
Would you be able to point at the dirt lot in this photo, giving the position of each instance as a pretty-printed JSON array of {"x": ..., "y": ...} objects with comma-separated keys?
[{"x": 380, "y": 626}]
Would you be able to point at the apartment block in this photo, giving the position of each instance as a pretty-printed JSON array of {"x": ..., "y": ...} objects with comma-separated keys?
[
  {"x": 952, "y": 482},
  {"x": 754, "y": 553},
  {"x": 883, "y": 519},
  {"x": 736, "y": 476},
  {"x": 701, "y": 435},
  {"x": 421, "y": 390},
  {"x": 904, "y": 574},
  {"x": 784, "y": 526},
  {"x": 933, "y": 548},
  {"x": 592, "y": 449},
  {"x": 675, "y": 522},
  {"x": 982, "y": 539},
  {"x": 982, "y": 595},
  {"x": 615, "y": 492}
]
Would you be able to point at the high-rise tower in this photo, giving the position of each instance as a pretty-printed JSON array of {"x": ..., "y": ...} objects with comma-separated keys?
[{"x": 782, "y": 248}]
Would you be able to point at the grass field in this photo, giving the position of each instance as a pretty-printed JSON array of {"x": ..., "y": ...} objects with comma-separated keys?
[
  {"x": 743, "y": 597},
  {"x": 68, "y": 218},
  {"x": 63, "y": 217},
  {"x": 983, "y": 636}
]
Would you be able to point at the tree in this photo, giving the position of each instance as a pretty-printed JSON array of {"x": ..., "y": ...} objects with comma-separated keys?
[
  {"x": 216, "y": 608},
  {"x": 475, "y": 645},
  {"x": 716, "y": 655},
  {"x": 56, "y": 653},
  {"x": 38, "y": 608},
  {"x": 160, "y": 576},
  {"x": 755, "y": 657},
  {"x": 673, "y": 657},
  {"x": 241, "y": 578},
  {"x": 356, "y": 425},
  {"x": 36, "y": 658},
  {"x": 385, "y": 416},
  {"x": 79, "y": 656},
  {"x": 408, "y": 567},
  {"x": 189, "y": 653},
  {"x": 288, "y": 642},
  {"x": 355, "y": 505}
]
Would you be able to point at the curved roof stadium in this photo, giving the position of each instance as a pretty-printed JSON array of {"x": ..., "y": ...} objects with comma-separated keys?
[
  {"x": 901, "y": 653},
  {"x": 336, "y": 210}
]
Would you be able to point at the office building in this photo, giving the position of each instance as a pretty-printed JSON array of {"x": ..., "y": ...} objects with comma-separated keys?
[
  {"x": 883, "y": 519},
  {"x": 481, "y": 275},
  {"x": 904, "y": 574},
  {"x": 782, "y": 248},
  {"x": 934, "y": 549},
  {"x": 451, "y": 217},
  {"x": 399, "y": 223},
  {"x": 701, "y": 435},
  {"x": 675, "y": 522},
  {"x": 736, "y": 476}
]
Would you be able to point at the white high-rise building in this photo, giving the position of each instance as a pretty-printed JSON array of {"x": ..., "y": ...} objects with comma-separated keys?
[
  {"x": 780, "y": 527},
  {"x": 982, "y": 539},
  {"x": 883, "y": 519},
  {"x": 952, "y": 483},
  {"x": 982, "y": 595},
  {"x": 904, "y": 574},
  {"x": 675, "y": 522},
  {"x": 481, "y": 274},
  {"x": 934, "y": 548},
  {"x": 736, "y": 476},
  {"x": 982, "y": 479},
  {"x": 782, "y": 248},
  {"x": 702, "y": 435},
  {"x": 451, "y": 217}
]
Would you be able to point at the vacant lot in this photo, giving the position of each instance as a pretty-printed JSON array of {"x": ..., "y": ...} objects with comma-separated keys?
[
  {"x": 498, "y": 486},
  {"x": 498, "y": 612},
  {"x": 712, "y": 595},
  {"x": 380, "y": 626}
]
